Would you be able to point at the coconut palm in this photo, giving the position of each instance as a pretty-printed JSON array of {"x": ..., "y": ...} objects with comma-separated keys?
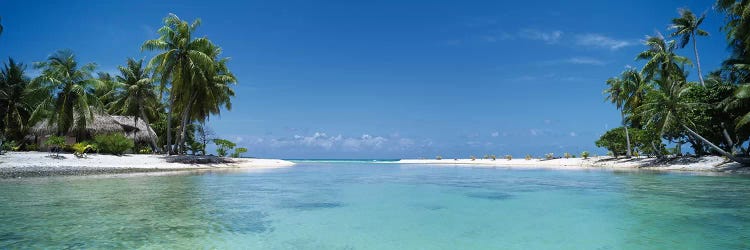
[
  {"x": 70, "y": 100},
  {"x": 180, "y": 62},
  {"x": 137, "y": 95},
  {"x": 686, "y": 27},
  {"x": 15, "y": 97},
  {"x": 634, "y": 87},
  {"x": 661, "y": 59},
  {"x": 211, "y": 93},
  {"x": 105, "y": 89},
  {"x": 742, "y": 99},
  {"x": 617, "y": 95},
  {"x": 666, "y": 108}
]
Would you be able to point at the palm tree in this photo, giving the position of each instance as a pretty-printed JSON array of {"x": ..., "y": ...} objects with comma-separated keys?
[
  {"x": 665, "y": 109},
  {"x": 661, "y": 59},
  {"x": 15, "y": 97},
  {"x": 634, "y": 87},
  {"x": 105, "y": 89},
  {"x": 742, "y": 99},
  {"x": 210, "y": 93},
  {"x": 69, "y": 101},
  {"x": 137, "y": 96},
  {"x": 617, "y": 95},
  {"x": 686, "y": 27},
  {"x": 180, "y": 63}
]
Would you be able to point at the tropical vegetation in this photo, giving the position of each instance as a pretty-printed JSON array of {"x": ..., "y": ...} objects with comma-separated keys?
[
  {"x": 659, "y": 106},
  {"x": 175, "y": 92}
]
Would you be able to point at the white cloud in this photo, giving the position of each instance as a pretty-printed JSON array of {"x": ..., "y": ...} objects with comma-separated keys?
[
  {"x": 585, "y": 61},
  {"x": 573, "y": 134},
  {"x": 495, "y": 134},
  {"x": 601, "y": 41},
  {"x": 549, "y": 37}
]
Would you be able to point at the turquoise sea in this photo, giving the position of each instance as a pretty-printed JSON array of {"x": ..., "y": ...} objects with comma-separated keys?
[{"x": 375, "y": 205}]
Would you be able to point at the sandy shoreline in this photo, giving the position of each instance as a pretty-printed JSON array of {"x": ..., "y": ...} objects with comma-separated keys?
[
  {"x": 28, "y": 164},
  {"x": 702, "y": 164}
]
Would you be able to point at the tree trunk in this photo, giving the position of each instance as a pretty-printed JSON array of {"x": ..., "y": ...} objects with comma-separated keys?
[
  {"x": 135, "y": 125},
  {"x": 728, "y": 138},
  {"x": 170, "y": 151},
  {"x": 629, "y": 153},
  {"x": 698, "y": 60},
  {"x": 185, "y": 119},
  {"x": 151, "y": 137},
  {"x": 656, "y": 150},
  {"x": 716, "y": 148}
]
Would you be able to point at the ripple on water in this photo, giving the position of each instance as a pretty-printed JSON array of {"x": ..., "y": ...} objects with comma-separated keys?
[{"x": 497, "y": 196}]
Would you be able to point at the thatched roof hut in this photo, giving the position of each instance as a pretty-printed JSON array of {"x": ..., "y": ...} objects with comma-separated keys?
[
  {"x": 139, "y": 128},
  {"x": 101, "y": 123}
]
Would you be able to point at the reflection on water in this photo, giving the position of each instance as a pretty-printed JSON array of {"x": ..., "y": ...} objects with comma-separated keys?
[{"x": 378, "y": 206}]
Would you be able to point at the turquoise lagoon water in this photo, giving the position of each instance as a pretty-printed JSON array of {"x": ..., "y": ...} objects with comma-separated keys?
[{"x": 350, "y": 205}]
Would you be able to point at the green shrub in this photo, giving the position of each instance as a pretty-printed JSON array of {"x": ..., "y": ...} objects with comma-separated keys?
[
  {"x": 528, "y": 157},
  {"x": 55, "y": 143},
  {"x": 585, "y": 154},
  {"x": 223, "y": 146},
  {"x": 549, "y": 156},
  {"x": 438, "y": 157},
  {"x": 31, "y": 147},
  {"x": 567, "y": 155},
  {"x": 509, "y": 157},
  {"x": 145, "y": 150},
  {"x": 10, "y": 146},
  {"x": 238, "y": 152},
  {"x": 473, "y": 158},
  {"x": 80, "y": 148},
  {"x": 115, "y": 144},
  {"x": 493, "y": 157}
]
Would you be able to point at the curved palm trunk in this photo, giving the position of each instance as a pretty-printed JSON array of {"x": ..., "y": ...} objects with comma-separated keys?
[
  {"x": 135, "y": 125},
  {"x": 629, "y": 153},
  {"x": 698, "y": 60},
  {"x": 717, "y": 148}
]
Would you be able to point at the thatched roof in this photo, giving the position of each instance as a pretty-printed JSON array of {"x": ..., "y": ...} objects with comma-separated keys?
[
  {"x": 102, "y": 123},
  {"x": 139, "y": 128}
]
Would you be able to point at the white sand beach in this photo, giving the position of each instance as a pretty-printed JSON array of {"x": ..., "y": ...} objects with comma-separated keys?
[
  {"x": 700, "y": 164},
  {"x": 40, "y": 163}
]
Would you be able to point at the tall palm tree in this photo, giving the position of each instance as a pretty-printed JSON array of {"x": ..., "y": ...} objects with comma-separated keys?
[
  {"x": 180, "y": 62},
  {"x": 665, "y": 109},
  {"x": 662, "y": 61},
  {"x": 15, "y": 96},
  {"x": 687, "y": 28},
  {"x": 105, "y": 89},
  {"x": 137, "y": 96},
  {"x": 617, "y": 95},
  {"x": 69, "y": 102},
  {"x": 210, "y": 92},
  {"x": 634, "y": 87}
]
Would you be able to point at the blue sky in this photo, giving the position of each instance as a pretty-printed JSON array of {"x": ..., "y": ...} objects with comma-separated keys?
[{"x": 386, "y": 79}]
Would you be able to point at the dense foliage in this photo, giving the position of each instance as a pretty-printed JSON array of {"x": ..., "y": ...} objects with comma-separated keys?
[
  {"x": 115, "y": 144},
  {"x": 658, "y": 104},
  {"x": 175, "y": 93}
]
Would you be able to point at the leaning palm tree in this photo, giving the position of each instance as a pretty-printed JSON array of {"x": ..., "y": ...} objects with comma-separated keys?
[
  {"x": 69, "y": 102},
  {"x": 661, "y": 59},
  {"x": 137, "y": 95},
  {"x": 617, "y": 95},
  {"x": 666, "y": 108},
  {"x": 686, "y": 27},
  {"x": 180, "y": 62}
]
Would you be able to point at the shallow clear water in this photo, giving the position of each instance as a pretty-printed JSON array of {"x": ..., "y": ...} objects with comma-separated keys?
[{"x": 379, "y": 206}]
